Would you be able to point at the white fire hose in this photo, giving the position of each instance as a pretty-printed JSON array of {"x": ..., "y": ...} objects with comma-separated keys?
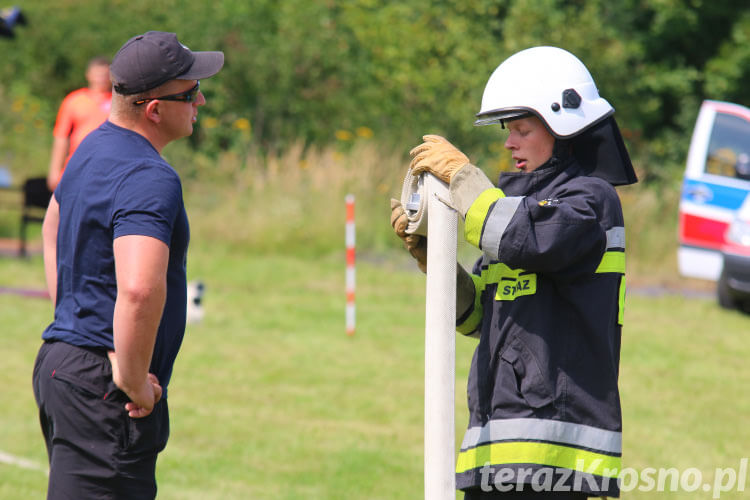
[{"x": 421, "y": 196}]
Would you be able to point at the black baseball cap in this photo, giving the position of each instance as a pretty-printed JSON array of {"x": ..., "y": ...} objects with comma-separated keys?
[{"x": 151, "y": 59}]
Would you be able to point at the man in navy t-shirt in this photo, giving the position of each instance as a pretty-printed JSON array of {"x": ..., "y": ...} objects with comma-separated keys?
[{"x": 115, "y": 241}]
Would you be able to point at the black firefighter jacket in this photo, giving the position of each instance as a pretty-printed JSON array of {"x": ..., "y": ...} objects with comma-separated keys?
[{"x": 549, "y": 292}]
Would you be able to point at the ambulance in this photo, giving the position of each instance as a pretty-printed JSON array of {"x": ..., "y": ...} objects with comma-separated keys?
[{"x": 714, "y": 212}]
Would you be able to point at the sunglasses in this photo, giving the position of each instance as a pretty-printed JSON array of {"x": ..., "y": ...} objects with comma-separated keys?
[{"x": 189, "y": 95}]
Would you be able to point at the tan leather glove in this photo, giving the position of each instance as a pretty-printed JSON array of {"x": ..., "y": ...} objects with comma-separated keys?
[
  {"x": 437, "y": 156},
  {"x": 416, "y": 244}
]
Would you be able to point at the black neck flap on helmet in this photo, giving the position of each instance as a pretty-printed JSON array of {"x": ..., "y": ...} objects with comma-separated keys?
[{"x": 601, "y": 152}]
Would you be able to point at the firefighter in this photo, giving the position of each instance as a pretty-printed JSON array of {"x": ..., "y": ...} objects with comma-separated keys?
[{"x": 546, "y": 298}]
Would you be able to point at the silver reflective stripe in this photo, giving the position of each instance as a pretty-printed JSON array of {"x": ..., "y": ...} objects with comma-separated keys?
[
  {"x": 616, "y": 237},
  {"x": 544, "y": 430},
  {"x": 496, "y": 222}
]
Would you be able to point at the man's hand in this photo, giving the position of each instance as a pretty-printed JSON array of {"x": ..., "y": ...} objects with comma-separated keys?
[
  {"x": 147, "y": 397},
  {"x": 437, "y": 156},
  {"x": 142, "y": 399},
  {"x": 416, "y": 244}
]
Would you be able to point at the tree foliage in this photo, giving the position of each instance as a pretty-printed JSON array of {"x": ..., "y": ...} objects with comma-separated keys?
[{"x": 322, "y": 71}]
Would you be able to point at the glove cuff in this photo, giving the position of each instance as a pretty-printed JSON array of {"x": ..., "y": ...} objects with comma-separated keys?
[{"x": 466, "y": 185}]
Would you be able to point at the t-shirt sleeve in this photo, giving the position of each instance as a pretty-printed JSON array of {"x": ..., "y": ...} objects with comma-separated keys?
[
  {"x": 147, "y": 203},
  {"x": 64, "y": 122}
]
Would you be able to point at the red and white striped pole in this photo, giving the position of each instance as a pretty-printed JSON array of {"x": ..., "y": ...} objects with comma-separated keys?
[{"x": 350, "y": 272}]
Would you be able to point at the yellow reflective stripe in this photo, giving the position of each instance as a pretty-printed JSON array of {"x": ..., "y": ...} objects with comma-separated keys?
[
  {"x": 511, "y": 283},
  {"x": 478, "y": 212},
  {"x": 494, "y": 273},
  {"x": 552, "y": 455},
  {"x": 509, "y": 289},
  {"x": 472, "y": 322},
  {"x": 621, "y": 312},
  {"x": 612, "y": 262}
]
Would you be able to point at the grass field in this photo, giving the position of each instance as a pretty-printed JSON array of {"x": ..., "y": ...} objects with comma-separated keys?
[{"x": 271, "y": 400}]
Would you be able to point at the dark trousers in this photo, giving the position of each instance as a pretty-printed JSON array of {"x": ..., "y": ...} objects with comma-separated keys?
[
  {"x": 525, "y": 494},
  {"x": 96, "y": 451}
]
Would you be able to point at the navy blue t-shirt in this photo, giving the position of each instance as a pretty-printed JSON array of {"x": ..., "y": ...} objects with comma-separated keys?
[{"x": 116, "y": 184}]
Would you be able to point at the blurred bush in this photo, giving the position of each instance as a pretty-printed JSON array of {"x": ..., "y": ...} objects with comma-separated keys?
[{"x": 302, "y": 71}]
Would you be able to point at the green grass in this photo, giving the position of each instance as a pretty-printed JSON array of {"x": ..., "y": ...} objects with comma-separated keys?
[{"x": 271, "y": 400}]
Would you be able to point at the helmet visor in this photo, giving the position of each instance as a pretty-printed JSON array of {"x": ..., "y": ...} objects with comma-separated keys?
[{"x": 499, "y": 116}]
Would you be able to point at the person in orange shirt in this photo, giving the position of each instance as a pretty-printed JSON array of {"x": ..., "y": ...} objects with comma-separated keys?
[{"x": 81, "y": 111}]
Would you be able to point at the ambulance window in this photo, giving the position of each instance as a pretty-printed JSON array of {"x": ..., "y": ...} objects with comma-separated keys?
[{"x": 729, "y": 147}]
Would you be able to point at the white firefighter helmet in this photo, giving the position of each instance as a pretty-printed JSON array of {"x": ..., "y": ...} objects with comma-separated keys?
[{"x": 549, "y": 82}]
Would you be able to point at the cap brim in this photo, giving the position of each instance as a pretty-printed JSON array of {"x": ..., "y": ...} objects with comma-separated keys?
[{"x": 206, "y": 64}]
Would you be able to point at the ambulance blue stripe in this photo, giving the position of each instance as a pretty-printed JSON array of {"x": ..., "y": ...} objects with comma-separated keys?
[{"x": 727, "y": 197}]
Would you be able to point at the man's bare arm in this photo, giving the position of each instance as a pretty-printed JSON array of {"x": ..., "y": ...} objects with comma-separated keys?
[
  {"x": 141, "y": 273},
  {"x": 49, "y": 247}
]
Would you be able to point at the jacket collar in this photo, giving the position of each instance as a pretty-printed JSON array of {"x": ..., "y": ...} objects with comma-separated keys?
[{"x": 524, "y": 183}]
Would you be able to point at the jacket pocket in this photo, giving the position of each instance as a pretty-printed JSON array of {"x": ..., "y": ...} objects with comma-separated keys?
[{"x": 530, "y": 381}]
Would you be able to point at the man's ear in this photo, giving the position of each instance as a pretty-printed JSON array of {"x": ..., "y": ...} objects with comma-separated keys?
[{"x": 152, "y": 111}]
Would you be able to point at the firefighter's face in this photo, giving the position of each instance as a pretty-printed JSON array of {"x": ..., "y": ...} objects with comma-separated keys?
[{"x": 529, "y": 142}]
